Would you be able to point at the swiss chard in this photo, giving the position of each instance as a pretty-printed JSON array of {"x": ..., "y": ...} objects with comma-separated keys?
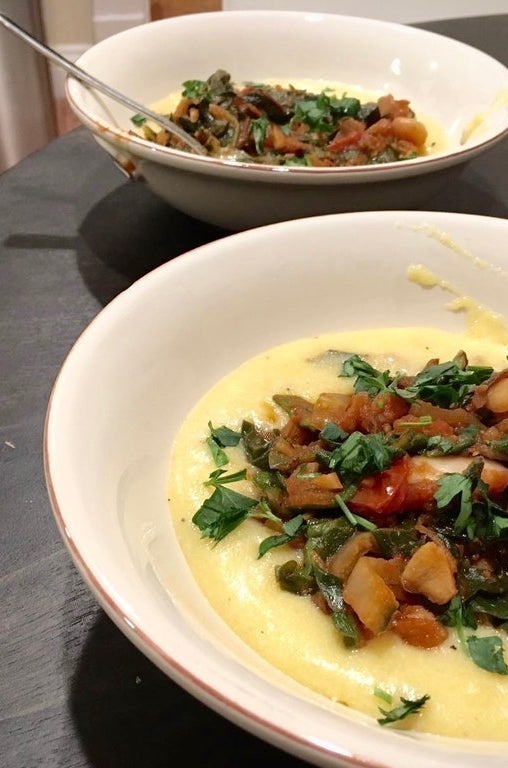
[{"x": 343, "y": 617}]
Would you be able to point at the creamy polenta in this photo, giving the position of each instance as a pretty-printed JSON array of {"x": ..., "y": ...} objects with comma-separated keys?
[{"x": 289, "y": 630}]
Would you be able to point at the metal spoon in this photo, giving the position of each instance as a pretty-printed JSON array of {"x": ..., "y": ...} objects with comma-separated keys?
[{"x": 92, "y": 81}]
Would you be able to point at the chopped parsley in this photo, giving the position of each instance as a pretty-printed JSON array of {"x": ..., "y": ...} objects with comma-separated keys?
[
  {"x": 406, "y": 707},
  {"x": 447, "y": 385}
]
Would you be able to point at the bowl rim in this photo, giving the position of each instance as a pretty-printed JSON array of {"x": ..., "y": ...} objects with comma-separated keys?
[
  {"x": 319, "y": 752},
  {"x": 141, "y": 148}
]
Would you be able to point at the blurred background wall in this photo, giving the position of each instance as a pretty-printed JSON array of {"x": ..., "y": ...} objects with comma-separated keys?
[
  {"x": 27, "y": 119},
  {"x": 32, "y": 95},
  {"x": 399, "y": 11}
]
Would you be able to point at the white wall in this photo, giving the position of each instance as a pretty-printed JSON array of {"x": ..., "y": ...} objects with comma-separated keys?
[
  {"x": 68, "y": 23},
  {"x": 390, "y": 10},
  {"x": 72, "y": 26}
]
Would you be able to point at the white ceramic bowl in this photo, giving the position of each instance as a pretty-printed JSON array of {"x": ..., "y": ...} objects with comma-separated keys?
[
  {"x": 445, "y": 80},
  {"x": 141, "y": 365}
]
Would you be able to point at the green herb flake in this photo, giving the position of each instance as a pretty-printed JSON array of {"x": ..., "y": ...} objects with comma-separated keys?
[
  {"x": 138, "y": 119},
  {"x": 218, "y": 454},
  {"x": 406, "y": 707},
  {"x": 259, "y": 128},
  {"x": 384, "y": 695},
  {"x": 224, "y": 436},
  {"x": 351, "y": 517},
  {"x": 292, "y": 529},
  {"x": 361, "y": 455},
  {"x": 222, "y": 513},
  {"x": 195, "y": 89},
  {"x": 488, "y": 653},
  {"x": 454, "y": 486}
]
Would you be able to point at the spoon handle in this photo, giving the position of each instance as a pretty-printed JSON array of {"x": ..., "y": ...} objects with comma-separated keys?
[{"x": 99, "y": 85}]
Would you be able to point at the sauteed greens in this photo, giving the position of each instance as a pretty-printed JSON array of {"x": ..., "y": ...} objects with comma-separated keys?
[
  {"x": 276, "y": 125},
  {"x": 393, "y": 499}
]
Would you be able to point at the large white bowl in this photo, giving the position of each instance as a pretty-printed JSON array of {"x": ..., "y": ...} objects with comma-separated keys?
[
  {"x": 443, "y": 79},
  {"x": 145, "y": 360}
]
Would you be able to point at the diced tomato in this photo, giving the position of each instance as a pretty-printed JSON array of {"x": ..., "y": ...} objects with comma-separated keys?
[
  {"x": 341, "y": 141},
  {"x": 383, "y": 493},
  {"x": 380, "y": 411}
]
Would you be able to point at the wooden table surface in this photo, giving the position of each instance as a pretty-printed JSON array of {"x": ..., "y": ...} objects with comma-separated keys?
[{"x": 73, "y": 234}]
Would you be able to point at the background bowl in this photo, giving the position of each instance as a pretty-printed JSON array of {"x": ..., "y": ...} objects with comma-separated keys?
[
  {"x": 141, "y": 365},
  {"x": 448, "y": 81}
]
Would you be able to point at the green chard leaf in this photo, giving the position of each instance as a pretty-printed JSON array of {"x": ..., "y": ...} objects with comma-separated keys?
[
  {"x": 438, "y": 445},
  {"x": 343, "y": 618},
  {"x": 256, "y": 445}
]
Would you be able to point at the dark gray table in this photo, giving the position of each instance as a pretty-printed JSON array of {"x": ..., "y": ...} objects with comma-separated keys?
[{"x": 73, "y": 234}]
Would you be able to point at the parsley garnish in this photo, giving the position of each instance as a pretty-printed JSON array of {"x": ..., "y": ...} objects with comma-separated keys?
[
  {"x": 259, "y": 128},
  {"x": 478, "y": 516},
  {"x": 360, "y": 455},
  {"x": 381, "y": 694},
  {"x": 292, "y": 529},
  {"x": 221, "y": 437},
  {"x": 368, "y": 379},
  {"x": 485, "y": 651},
  {"x": 138, "y": 119},
  {"x": 446, "y": 385},
  {"x": 355, "y": 520},
  {"x": 406, "y": 707},
  {"x": 322, "y": 112},
  {"x": 195, "y": 89},
  {"x": 456, "y": 486},
  {"x": 226, "y": 509}
]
